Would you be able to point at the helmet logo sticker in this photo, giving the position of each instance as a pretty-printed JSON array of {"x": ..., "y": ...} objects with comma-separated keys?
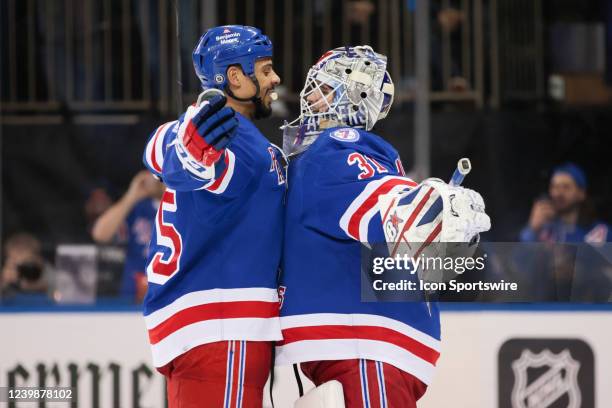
[
  {"x": 228, "y": 38},
  {"x": 219, "y": 78}
]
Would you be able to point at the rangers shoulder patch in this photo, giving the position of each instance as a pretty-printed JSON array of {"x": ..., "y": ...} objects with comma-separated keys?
[{"x": 345, "y": 135}]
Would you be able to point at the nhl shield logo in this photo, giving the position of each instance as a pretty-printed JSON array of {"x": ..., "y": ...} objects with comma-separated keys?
[{"x": 557, "y": 375}]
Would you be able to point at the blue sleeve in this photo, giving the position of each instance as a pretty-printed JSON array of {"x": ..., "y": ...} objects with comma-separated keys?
[
  {"x": 155, "y": 149},
  {"x": 528, "y": 235},
  {"x": 345, "y": 184},
  {"x": 131, "y": 217},
  {"x": 166, "y": 159}
]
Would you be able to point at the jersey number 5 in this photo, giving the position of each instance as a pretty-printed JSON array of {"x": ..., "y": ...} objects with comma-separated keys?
[
  {"x": 366, "y": 164},
  {"x": 164, "y": 264}
]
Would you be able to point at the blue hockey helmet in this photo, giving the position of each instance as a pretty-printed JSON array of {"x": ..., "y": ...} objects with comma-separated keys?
[{"x": 228, "y": 45}]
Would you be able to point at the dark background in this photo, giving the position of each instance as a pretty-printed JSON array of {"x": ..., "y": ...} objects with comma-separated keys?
[{"x": 49, "y": 169}]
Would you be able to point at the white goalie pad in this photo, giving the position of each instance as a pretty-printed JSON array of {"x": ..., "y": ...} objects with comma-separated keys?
[
  {"x": 431, "y": 213},
  {"x": 326, "y": 395}
]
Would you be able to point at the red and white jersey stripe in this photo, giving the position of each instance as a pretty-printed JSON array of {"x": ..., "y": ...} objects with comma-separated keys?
[
  {"x": 212, "y": 315},
  {"x": 154, "y": 151},
  {"x": 166, "y": 137},
  {"x": 334, "y": 336},
  {"x": 356, "y": 219},
  {"x": 219, "y": 184}
]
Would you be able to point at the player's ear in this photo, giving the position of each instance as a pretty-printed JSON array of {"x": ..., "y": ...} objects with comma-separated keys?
[{"x": 234, "y": 76}]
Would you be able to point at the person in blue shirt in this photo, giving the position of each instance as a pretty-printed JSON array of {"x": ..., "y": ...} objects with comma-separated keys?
[
  {"x": 129, "y": 221},
  {"x": 558, "y": 217},
  {"x": 564, "y": 262}
]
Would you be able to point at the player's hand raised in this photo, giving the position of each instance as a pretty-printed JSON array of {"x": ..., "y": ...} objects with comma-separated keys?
[
  {"x": 209, "y": 129},
  {"x": 143, "y": 185}
]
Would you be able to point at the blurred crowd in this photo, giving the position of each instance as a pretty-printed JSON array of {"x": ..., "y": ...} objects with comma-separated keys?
[
  {"x": 562, "y": 253},
  {"x": 28, "y": 277}
]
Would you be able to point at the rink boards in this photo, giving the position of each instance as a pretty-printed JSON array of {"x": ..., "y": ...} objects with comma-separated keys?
[{"x": 498, "y": 356}]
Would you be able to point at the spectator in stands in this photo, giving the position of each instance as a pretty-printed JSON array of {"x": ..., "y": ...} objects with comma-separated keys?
[
  {"x": 445, "y": 21},
  {"x": 97, "y": 202},
  {"x": 24, "y": 272},
  {"x": 561, "y": 217},
  {"x": 448, "y": 20},
  {"x": 360, "y": 11},
  {"x": 559, "y": 271},
  {"x": 130, "y": 221}
]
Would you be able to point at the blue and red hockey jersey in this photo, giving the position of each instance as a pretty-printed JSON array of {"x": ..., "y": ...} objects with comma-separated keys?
[
  {"x": 216, "y": 246},
  {"x": 332, "y": 207},
  {"x": 139, "y": 226},
  {"x": 597, "y": 233}
]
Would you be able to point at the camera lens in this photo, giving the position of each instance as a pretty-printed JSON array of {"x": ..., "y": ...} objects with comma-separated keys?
[{"x": 30, "y": 271}]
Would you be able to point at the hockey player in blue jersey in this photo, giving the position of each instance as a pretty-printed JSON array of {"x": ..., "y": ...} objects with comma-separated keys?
[
  {"x": 211, "y": 309},
  {"x": 380, "y": 354}
]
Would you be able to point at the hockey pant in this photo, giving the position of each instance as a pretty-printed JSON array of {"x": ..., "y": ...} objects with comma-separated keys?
[{"x": 225, "y": 374}]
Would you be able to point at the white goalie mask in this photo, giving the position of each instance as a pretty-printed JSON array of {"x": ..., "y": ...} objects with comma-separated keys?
[{"x": 348, "y": 86}]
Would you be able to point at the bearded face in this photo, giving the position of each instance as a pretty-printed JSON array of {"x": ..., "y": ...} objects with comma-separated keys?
[{"x": 565, "y": 194}]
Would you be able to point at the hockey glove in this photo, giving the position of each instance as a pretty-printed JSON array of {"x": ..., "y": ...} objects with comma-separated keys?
[
  {"x": 207, "y": 129},
  {"x": 432, "y": 213}
]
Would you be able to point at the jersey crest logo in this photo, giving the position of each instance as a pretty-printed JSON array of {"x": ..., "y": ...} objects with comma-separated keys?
[
  {"x": 275, "y": 166},
  {"x": 345, "y": 135},
  {"x": 392, "y": 225},
  {"x": 597, "y": 236}
]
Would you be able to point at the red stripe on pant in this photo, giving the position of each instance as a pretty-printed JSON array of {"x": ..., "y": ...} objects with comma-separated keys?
[
  {"x": 199, "y": 377},
  {"x": 402, "y": 390}
]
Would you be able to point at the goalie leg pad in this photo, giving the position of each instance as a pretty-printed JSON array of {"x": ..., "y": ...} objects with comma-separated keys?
[{"x": 326, "y": 395}]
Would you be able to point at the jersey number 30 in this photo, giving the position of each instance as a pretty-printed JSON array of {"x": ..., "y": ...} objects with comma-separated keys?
[
  {"x": 367, "y": 165},
  {"x": 164, "y": 264}
]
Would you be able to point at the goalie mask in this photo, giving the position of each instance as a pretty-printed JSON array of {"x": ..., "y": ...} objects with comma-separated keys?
[{"x": 348, "y": 86}]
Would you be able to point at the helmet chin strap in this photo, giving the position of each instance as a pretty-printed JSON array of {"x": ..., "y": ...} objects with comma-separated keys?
[
  {"x": 260, "y": 110},
  {"x": 252, "y": 98}
]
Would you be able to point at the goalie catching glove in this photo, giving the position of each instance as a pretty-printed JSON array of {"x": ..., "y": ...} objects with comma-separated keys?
[{"x": 433, "y": 212}]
